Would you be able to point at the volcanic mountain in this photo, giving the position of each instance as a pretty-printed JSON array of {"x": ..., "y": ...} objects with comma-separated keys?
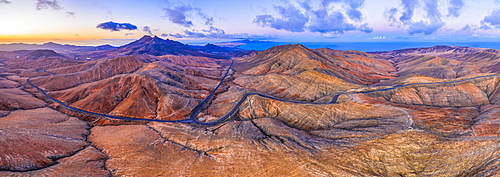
[
  {"x": 158, "y": 47},
  {"x": 288, "y": 70}
]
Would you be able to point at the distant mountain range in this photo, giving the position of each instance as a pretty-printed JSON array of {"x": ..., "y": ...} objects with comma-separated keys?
[
  {"x": 60, "y": 48},
  {"x": 146, "y": 45}
]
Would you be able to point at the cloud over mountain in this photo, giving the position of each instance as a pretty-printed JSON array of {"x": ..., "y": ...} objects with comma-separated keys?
[
  {"x": 147, "y": 29},
  {"x": 113, "y": 26},
  {"x": 198, "y": 24},
  {"x": 455, "y": 7},
  {"x": 332, "y": 16},
  {"x": 421, "y": 16},
  {"x": 291, "y": 19},
  {"x": 216, "y": 33},
  {"x": 351, "y": 6},
  {"x": 181, "y": 14},
  {"x": 491, "y": 21},
  {"x": 434, "y": 20}
]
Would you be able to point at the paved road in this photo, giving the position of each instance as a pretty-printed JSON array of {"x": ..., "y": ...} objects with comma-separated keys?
[{"x": 194, "y": 119}]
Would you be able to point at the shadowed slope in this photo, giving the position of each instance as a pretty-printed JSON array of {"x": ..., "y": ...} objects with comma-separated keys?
[
  {"x": 435, "y": 67},
  {"x": 141, "y": 86}
]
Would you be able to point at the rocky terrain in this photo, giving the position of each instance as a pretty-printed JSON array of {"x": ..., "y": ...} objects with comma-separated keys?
[
  {"x": 286, "y": 111},
  {"x": 444, "y": 62}
]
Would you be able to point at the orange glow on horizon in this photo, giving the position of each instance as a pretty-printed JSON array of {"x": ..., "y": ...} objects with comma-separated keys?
[{"x": 75, "y": 39}]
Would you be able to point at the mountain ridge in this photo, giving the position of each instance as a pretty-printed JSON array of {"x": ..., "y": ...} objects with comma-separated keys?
[
  {"x": 435, "y": 51},
  {"x": 157, "y": 47},
  {"x": 53, "y": 46}
]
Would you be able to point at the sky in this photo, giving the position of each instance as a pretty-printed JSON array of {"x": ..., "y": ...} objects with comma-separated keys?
[{"x": 117, "y": 22}]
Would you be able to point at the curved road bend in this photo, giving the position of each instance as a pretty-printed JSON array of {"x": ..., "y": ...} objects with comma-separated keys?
[{"x": 197, "y": 110}]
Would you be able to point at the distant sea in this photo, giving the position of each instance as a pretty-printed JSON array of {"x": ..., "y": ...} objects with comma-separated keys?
[{"x": 369, "y": 46}]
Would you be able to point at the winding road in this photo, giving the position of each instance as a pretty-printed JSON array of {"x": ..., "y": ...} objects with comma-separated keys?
[{"x": 194, "y": 119}]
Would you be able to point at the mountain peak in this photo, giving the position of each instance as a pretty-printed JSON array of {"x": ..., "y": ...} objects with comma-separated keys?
[
  {"x": 145, "y": 38},
  {"x": 288, "y": 48},
  {"x": 156, "y": 38},
  {"x": 51, "y": 44},
  {"x": 298, "y": 46},
  {"x": 157, "y": 46}
]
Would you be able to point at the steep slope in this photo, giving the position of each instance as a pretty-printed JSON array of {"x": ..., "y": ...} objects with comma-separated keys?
[
  {"x": 157, "y": 46},
  {"x": 294, "y": 59},
  {"x": 141, "y": 86},
  {"x": 458, "y": 107},
  {"x": 435, "y": 67},
  {"x": 71, "y": 76},
  {"x": 295, "y": 72}
]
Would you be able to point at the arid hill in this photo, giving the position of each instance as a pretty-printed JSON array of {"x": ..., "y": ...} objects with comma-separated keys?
[
  {"x": 435, "y": 51},
  {"x": 33, "y": 62},
  {"x": 295, "y": 59},
  {"x": 445, "y": 62},
  {"x": 141, "y": 86}
]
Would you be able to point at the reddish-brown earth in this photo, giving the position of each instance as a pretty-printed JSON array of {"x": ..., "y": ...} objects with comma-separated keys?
[
  {"x": 448, "y": 126},
  {"x": 38, "y": 141},
  {"x": 166, "y": 87},
  {"x": 444, "y": 62}
]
